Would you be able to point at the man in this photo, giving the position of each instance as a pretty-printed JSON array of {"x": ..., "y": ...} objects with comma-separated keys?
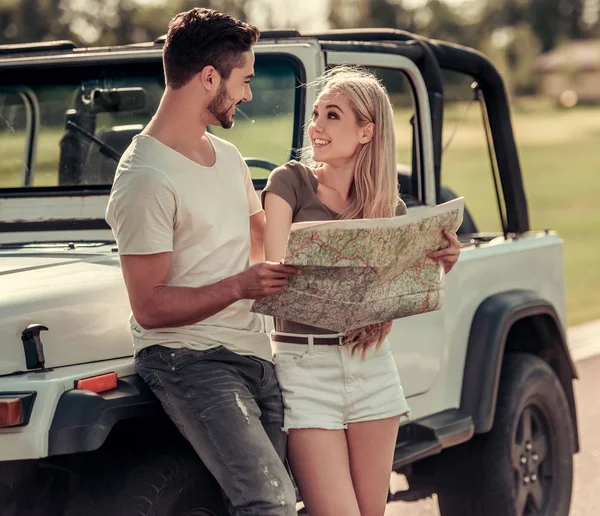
[{"x": 186, "y": 219}]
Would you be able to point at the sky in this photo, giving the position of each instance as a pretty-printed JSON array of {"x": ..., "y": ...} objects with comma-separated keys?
[{"x": 309, "y": 15}]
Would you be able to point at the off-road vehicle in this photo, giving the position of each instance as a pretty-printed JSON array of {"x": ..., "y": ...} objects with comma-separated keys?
[{"x": 489, "y": 377}]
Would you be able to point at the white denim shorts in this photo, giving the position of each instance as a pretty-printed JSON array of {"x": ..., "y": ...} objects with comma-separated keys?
[{"x": 324, "y": 386}]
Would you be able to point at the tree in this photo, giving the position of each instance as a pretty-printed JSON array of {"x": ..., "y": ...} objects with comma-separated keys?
[
  {"x": 30, "y": 20},
  {"x": 345, "y": 14},
  {"x": 104, "y": 22},
  {"x": 436, "y": 18},
  {"x": 551, "y": 20}
]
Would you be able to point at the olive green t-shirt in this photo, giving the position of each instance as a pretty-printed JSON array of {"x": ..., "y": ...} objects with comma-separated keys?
[{"x": 297, "y": 184}]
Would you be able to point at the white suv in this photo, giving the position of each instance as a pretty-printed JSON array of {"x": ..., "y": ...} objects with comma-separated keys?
[{"x": 488, "y": 377}]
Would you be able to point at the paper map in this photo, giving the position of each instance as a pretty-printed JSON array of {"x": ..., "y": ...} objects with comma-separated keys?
[{"x": 359, "y": 272}]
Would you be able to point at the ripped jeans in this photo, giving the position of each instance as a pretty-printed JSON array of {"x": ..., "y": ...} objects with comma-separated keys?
[{"x": 229, "y": 407}]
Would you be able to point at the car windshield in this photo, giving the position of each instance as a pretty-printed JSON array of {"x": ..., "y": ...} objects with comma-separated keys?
[{"x": 68, "y": 128}]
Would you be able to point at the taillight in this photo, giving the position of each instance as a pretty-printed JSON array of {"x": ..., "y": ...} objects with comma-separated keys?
[
  {"x": 11, "y": 412},
  {"x": 15, "y": 409}
]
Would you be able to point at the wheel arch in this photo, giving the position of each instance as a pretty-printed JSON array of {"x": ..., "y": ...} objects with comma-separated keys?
[
  {"x": 83, "y": 419},
  {"x": 512, "y": 321}
]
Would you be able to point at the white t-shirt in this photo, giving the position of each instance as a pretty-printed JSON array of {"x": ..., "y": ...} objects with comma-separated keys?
[{"x": 161, "y": 201}]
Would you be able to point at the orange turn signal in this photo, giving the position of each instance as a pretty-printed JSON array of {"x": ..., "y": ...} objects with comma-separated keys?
[
  {"x": 11, "y": 412},
  {"x": 100, "y": 383}
]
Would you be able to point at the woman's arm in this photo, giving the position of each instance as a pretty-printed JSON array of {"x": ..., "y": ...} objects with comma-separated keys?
[
  {"x": 279, "y": 220},
  {"x": 257, "y": 237}
]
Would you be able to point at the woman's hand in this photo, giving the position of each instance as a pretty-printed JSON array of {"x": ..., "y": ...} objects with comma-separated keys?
[{"x": 448, "y": 255}]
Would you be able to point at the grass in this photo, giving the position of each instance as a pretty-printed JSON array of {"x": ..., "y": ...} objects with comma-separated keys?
[
  {"x": 266, "y": 138},
  {"x": 12, "y": 149},
  {"x": 559, "y": 158},
  {"x": 558, "y": 151}
]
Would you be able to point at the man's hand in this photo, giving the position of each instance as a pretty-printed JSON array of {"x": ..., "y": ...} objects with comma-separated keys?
[
  {"x": 448, "y": 255},
  {"x": 264, "y": 279}
]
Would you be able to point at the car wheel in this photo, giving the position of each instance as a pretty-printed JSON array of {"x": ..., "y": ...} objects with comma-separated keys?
[
  {"x": 524, "y": 465},
  {"x": 34, "y": 488},
  {"x": 171, "y": 482}
]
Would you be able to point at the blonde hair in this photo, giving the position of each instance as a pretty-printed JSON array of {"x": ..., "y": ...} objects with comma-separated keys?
[{"x": 374, "y": 190}]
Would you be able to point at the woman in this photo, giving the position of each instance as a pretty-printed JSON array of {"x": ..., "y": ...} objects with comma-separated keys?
[{"x": 343, "y": 403}]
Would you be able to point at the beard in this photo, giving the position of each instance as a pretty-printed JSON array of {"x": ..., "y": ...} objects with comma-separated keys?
[{"x": 220, "y": 106}]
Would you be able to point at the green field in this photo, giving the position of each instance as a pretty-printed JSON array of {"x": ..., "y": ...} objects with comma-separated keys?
[{"x": 560, "y": 159}]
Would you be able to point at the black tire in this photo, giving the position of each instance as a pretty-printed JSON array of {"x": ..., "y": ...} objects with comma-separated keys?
[
  {"x": 33, "y": 488},
  {"x": 524, "y": 465},
  {"x": 170, "y": 482}
]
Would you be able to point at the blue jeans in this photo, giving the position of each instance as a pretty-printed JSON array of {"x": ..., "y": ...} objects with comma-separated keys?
[{"x": 229, "y": 408}]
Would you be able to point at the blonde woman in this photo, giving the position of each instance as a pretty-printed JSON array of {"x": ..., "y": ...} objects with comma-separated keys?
[{"x": 343, "y": 403}]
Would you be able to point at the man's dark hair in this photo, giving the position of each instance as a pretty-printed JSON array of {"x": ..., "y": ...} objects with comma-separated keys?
[{"x": 205, "y": 37}]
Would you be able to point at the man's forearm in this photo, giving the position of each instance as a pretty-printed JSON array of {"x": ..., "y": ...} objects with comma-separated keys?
[{"x": 179, "y": 306}]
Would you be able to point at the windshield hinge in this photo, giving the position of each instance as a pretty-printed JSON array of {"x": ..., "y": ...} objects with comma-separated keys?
[{"x": 32, "y": 344}]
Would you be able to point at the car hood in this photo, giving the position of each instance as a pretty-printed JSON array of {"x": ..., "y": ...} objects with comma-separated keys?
[{"x": 79, "y": 295}]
